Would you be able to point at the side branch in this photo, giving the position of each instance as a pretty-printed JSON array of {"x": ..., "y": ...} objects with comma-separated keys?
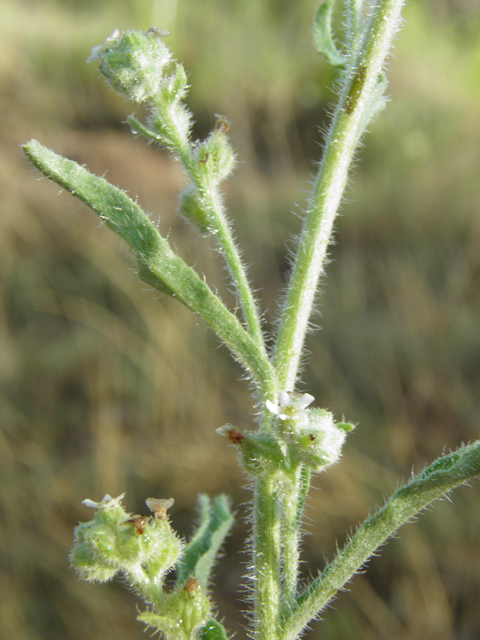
[
  {"x": 445, "y": 474},
  {"x": 356, "y": 105}
]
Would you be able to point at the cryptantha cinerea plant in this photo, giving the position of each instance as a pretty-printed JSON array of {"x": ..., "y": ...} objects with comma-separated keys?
[{"x": 291, "y": 439}]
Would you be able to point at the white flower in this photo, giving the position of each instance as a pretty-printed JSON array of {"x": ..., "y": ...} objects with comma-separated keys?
[
  {"x": 156, "y": 31},
  {"x": 97, "y": 51},
  {"x": 106, "y": 502},
  {"x": 289, "y": 404}
]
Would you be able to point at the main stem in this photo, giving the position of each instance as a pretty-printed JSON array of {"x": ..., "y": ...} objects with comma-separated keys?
[
  {"x": 346, "y": 129},
  {"x": 291, "y": 495},
  {"x": 276, "y": 546},
  {"x": 266, "y": 557}
]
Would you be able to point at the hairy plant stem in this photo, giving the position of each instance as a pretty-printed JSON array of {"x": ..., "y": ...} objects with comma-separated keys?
[
  {"x": 266, "y": 556},
  {"x": 291, "y": 495},
  {"x": 223, "y": 235},
  {"x": 438, "y": 479},
  {"x": 348, "y": 122},
  {"x": 215, "y": 211}
]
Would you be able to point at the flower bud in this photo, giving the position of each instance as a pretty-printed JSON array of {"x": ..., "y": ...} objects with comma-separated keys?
[
  {"x": 133, "y": 63},
  {"x": 193, "y": 210},
  {"x": 260, "y": 452},
  {"x": 215, "y": 156}
]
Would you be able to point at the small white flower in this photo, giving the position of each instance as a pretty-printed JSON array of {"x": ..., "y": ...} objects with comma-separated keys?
[
  {"x": 156, "y": 31},
  {"x": 289, "y": 404},
  {"x": 97, "y": 51},
  {"x": 106, "y": 502}
]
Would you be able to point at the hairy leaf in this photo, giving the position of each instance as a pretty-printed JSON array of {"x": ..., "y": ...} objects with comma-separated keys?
[{"x": 322, "y": 34}]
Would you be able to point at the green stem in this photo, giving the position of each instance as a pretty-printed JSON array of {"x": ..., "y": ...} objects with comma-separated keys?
[
  {"x": 438, "y": 479},
  {"x": 266, "y": 557},
  {"x": 292, "y": 495},
  {"x": 353, "y": 23},
  {"x": 215, "y": 212},
  {"x": 223, "y": 236},
  {"x": 348, "y": 123}
]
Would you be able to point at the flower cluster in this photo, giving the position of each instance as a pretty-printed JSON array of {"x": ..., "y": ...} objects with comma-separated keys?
[
  {"x": 133, "y": 62},
  {"x": 139, "y": 547},
  {"x": 143, "y": 549},
  {"x": 301, "y": 436}
]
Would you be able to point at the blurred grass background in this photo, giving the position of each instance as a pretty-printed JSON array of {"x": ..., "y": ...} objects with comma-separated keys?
[{"x": 107, "y": 387}]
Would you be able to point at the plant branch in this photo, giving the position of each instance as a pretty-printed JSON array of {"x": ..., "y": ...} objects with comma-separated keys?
[
  {"x": 350, "y": 119},
  {"x": 293, "y": 493},
  {"x": 443, "y": 475},
  {"x": 215, "y": 218}
]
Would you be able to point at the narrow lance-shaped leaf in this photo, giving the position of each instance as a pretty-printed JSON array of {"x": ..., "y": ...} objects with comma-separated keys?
[
  {"x": 201, "y": 552},
  {"x": 158, "y": 265},
  {"x": 443, "y": 475},
  {"x": 322, "y": 34}
]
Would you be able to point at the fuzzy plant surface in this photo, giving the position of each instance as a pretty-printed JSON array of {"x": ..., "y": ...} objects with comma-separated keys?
[{"x": 291, "y": 440}]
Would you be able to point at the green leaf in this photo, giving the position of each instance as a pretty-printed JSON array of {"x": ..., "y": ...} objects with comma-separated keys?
[
  {"x": 202, "y": 550},
  {"x": 171, "y": 629},
  {"x": 158, "y": 265},
  {"x": 322, "y": 34},
  {"x": 138, "y": 128},
  {"x": 213, "y": 630},
  {"x": 113, "y": 206}
]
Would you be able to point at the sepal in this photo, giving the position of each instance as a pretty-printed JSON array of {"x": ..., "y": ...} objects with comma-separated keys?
[
  {"x": 319, "y": 443},
  {"x": 193, "y": 209},
  {"x": 213, "y": 630},
  {"x": 214, "y": 156},
  {"x": 260, "y": 452}
]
